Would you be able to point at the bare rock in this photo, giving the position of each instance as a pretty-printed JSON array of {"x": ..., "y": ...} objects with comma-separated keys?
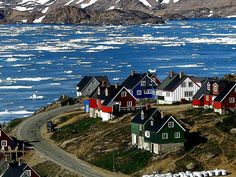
[
  {"x": 233, "y": 131},
  {"x": 191, "y": 166}
]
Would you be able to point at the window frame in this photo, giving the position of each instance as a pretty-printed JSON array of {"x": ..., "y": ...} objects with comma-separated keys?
[
  {"x": 231, "y": 100},
  {"x": 143, "y": 83},
  {"x": 3, "y": 143},
  {"x": 164, "y": 136},
  {"x": 123, "y": 94},
  {"x": 171, "y": 124},
  {"x": 139, "y": 92},
  {"x": 183, "y": 84},
  {"x": 177, "y": 135}
]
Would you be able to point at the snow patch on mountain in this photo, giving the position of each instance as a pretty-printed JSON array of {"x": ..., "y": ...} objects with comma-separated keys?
[
  {"x": 91, "y": 2},
  {"x": 146, "y": 3}
]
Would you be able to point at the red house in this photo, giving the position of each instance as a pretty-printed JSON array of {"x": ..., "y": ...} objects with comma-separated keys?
[
  {"x": 106, "y": 102},
  {"x": 217, "y": 94},
  {"x": 6, "y": 141}
]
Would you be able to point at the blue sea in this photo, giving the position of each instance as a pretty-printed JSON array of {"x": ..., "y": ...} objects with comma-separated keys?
[{"x": 39, "y": 63}]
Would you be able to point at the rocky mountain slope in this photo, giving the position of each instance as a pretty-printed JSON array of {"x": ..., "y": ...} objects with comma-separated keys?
[{"x": 111, "y": 11}]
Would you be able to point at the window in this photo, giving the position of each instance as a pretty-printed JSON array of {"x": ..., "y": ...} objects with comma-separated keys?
[
  {"x": 123, "y": 94},
  {"x": 177, "y": 134},
  {"x": 159, "y": 93},
  {"x": 147, "y": 134},
  {"x": 99, "y": 91},
  {"x": 171, "y": 124},
  {"x": 129, "y": 103},
  {"x": 183, "y": 84},
  {"x": 28, "y": 172},
  {"x": 164, "y": 135},
  {"x": 215, "y": 88},
  {"x": 231, "y": 100},
  {"x": 139, "y": 92},
  {"x": 188, "y": 94},
  {"x": 148, "y": 91},
  {"x": 208, "y": 86},
  {"x": 4, "y": 143},
  {"x": 143, "y": 83},
  {"x": 93, "y": 82},
  {"x": 140, "y": 128},
  {"x": 207, "y": 97},
  {"x": 190, "y": 84},
  {"x": 168, "y": 94},
  {"x": 152, "y": 123}
]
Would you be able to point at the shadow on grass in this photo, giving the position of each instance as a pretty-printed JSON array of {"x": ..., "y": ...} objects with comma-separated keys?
[{"x": 193, "y": 139}]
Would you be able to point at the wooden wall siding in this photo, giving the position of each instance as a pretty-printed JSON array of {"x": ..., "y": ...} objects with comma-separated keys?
[
  {"x": 107, "y": 109},
  {"x": 124, "y": 100},
  {"x": 157, "y": 137},
  {"x": 199, "y": 102},
  {"x": 143, "y": 88},
  {"x": 10, "y": 141},
  {"x": 226, "y": 102},
  {"x": 135, "y": 128},
  {"x": 33, "y": 173},
  {"x": 178, "y": 93},
  {"x": 93, "y": 103}
]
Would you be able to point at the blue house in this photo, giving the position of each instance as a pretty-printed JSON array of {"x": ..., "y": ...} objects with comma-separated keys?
[
  {"x": 86, "y": 105},
  {"x": 142, "y": 85}
]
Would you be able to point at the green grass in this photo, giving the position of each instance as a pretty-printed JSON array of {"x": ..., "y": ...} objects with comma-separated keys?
[
  {"x": 72, "y": 130},
  {"x": 228, "y": 123},
  {"x": 127, "y": 162},
  {"x": 12, "y": 124}
]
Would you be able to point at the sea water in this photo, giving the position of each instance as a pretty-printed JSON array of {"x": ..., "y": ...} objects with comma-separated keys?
[{"x": 39, "y": 63}]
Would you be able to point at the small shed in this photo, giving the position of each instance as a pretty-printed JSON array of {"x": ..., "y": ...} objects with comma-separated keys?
[{"x": 86, "y": 105}]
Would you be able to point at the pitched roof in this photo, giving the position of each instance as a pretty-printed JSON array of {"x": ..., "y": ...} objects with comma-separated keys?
[
  {"x": 152, "y": 112},
  {"x": 159, "y": 123},
  {"x": 224, "y": 86},
  {"x": 229, "y": 85},
  {"x": 133, "y": 80},
  {"x": 84, "y": 82},
  {"x": 87, "y": 79},
  {"x": 15, "y": 170},
  {"x": 171, "y": 83}
]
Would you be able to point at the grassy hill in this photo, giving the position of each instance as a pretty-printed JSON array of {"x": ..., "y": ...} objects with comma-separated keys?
[{"x": 209, "y": 144}]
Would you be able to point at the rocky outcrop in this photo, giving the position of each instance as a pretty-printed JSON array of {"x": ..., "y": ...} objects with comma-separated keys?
[
  {"x": 83, "y": 16},
  {"x": 68, "y": 14}
]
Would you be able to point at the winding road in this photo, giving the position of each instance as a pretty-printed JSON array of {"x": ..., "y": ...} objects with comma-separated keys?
[{"x": 29, "y": 130}]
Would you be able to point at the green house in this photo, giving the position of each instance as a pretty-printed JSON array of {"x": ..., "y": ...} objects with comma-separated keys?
[{"x": 153, "y": 131}]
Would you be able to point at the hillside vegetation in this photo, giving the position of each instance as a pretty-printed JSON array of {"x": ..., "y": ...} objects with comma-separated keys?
[{"x": 209, "y": 143}]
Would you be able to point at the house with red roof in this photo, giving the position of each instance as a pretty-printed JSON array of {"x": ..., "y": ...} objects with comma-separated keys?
[
  {"x": 217, "y": 94},
  {"x": 107, "y": 101}
]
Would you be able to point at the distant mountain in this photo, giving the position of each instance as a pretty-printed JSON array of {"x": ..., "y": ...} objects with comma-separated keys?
[{"x": 120, "y": 11}]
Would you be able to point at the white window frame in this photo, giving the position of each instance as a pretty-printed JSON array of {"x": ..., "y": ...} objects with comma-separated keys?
[
  {"x": 129, "y": 103},
  {"x": 28, "y": 172},
  {"x": 147, "y": 134},
  {"x": 215, "y": 88},
  {"x": 167, "y": 94},
  {"x": 171, "y": 124},
  {"x": 207, "y": 97},
  {"x": 177, "y": 135},
  {"x": 208, "y": 86},
  {"x": 190, "y": 84},
  {"x": 140, "y": 128},
  {"x": 164, "y": 136},
  {"x": 143, "y": 83},
  {"x": 183, "y": 84},
  {"x": 123, "y": 94},
  {"x": 139, "y": 92},
  {"x": 188, "y": 94},
  {"x": 231, "y": 100},
  {"x": 4, "y": 143}
]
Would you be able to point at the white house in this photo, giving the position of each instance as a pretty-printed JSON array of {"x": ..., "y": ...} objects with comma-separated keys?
[{"x": 178, "y": 87}]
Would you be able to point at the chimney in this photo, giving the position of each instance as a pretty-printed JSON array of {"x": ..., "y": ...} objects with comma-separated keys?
[
  {"x": 103, "y": 83},
  {"x": 151, "y": 123},
  {"x": 181, "y": 74},
  {"x": 116, "y": 86},
  {"x": 106, "y": 92},
  {"x": 99, "y": 91},
  {"x": 171, "y": 74},
  {"x": 132, "y": 72},
  {"x": 142, "y": 115},
  {"x": 19, "y": 162},
  {"x": 162, "y": 114},
  {"x": 147, "y": 106}
]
